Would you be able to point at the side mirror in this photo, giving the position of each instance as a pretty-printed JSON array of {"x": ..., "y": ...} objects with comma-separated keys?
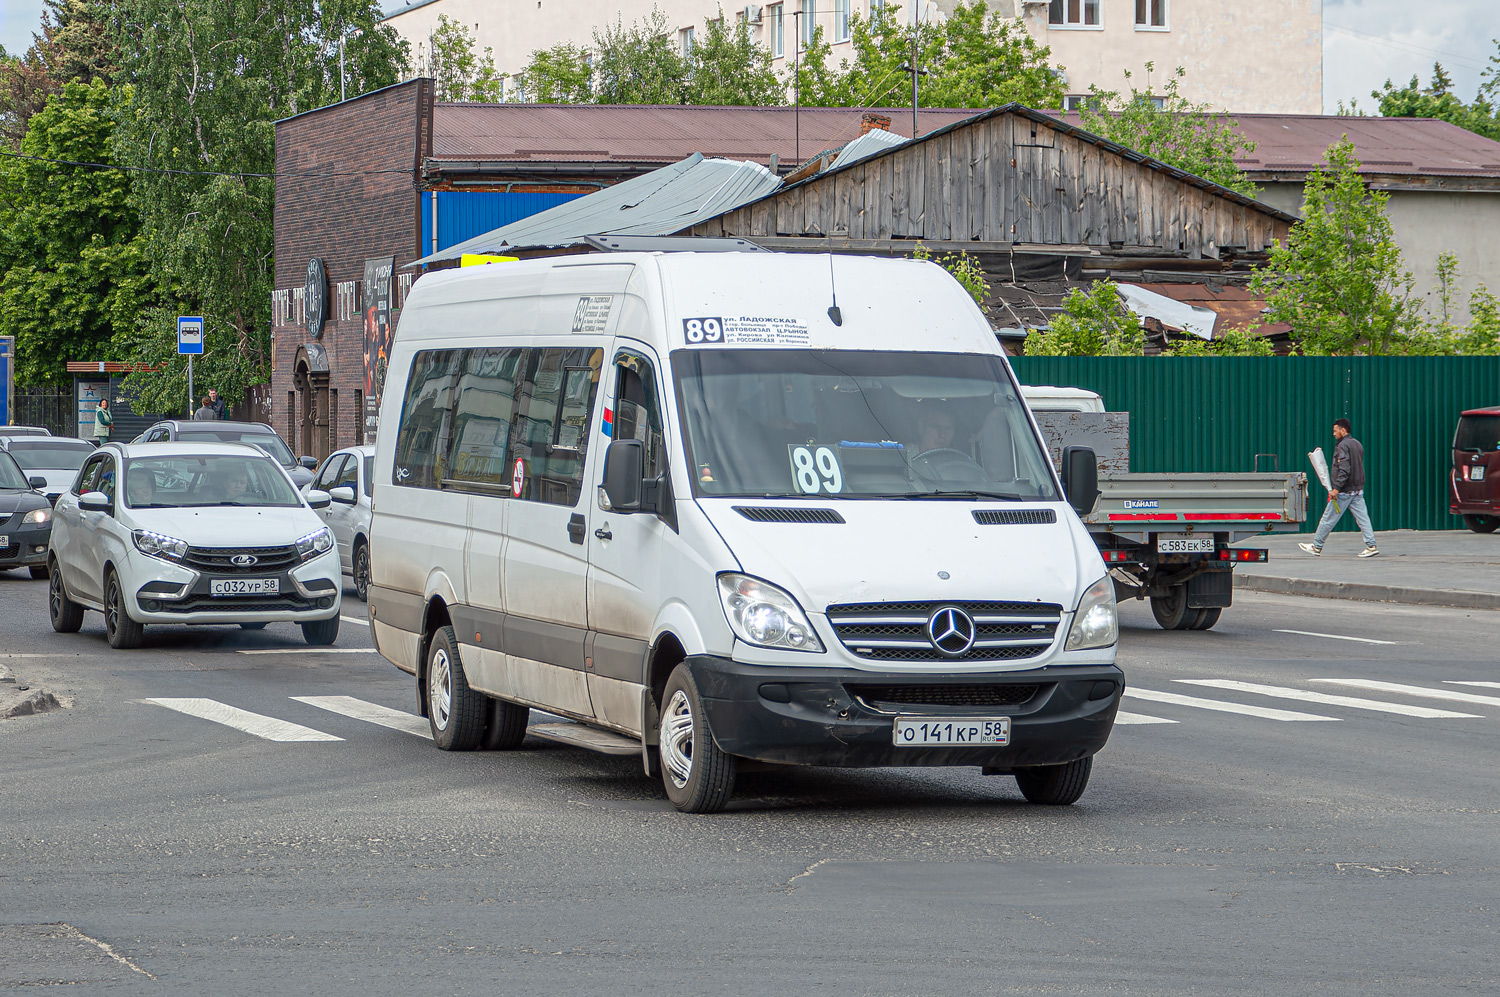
[
  {"x": 311, "y": 463},
  {"x": 37, "y": 481},
  {"x": 624, "y": 466},
  {"x": 344, "y": 495},
  {"x": 318, "y": 498},
  {"x": 1080, "y": 478},
  {"x": 95, "y": 502}
]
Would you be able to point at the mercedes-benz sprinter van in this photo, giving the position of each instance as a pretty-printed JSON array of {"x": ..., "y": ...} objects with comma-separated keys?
[{"x": 717, "y": 507}]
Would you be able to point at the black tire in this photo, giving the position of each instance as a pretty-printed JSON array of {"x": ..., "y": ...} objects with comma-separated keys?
[
  {"x": 504, "y": 725},
  {"x": 699, "y": 778},
  {"x": 252, "y": 626},
  {"x": 455, "y": 712},
  {"x": 1055, "y": 785},
  {"x": 122, "y": 632},
  {"x": 1171, "y": 610},
  {"x": 67, "y": 615},
  {"x": 1482, "y": 524},
  {"x": 359, "y": 566},
  {"x": 320, "y": 633},
  {"x": 1207, "y": 618},
  {"x": 38, "y": 571}
]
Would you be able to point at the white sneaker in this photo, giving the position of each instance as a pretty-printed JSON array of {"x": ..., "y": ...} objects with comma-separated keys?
[
  {"x": 1314, "y": 551},
  {"x": 1369, "y": 552}
]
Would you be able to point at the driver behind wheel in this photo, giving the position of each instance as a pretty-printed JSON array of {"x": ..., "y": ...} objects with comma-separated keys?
[{"x": 935, "y": 428}]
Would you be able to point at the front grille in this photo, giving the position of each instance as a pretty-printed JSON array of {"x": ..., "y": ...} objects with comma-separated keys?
[
  {"x": 14, "y": 550},
  {"x": 897, "y": 631},
  {"x": 944, "y": 695},
  {"x": 775, "y": 515},
  {"x": 219, "y": 560},
  {"x": 233, "y": 604},
  {"x": 1014, "y": 517}
]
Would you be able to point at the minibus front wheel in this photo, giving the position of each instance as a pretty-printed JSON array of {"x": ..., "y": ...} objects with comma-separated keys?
[{"x": 699, "y": 778}]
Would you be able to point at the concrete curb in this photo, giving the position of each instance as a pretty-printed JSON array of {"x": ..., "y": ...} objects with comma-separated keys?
[{"x": 1361, "y": 592}]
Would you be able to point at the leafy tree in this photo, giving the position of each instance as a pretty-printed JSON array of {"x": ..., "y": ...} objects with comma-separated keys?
[
  {"x": 75, "y": 271},
  {"x": 1441, "y": 334},
  {"x": 1169, "y": 127},
  {"x": 1437, "y": 100},
  {"x": 458, "y": 73},
  {"x": 638, "y": 64},
  {"x": 210, "y": 78},
  {"x": 1235, "y": 342},
  {"x": 727, "y": 67},
  {"x": 1338, "y": 280},
  {"x": 76, "y": 44},
  {"x": 558, "y": 75},
  {"x": 964, "y": 268},
  {"x": 1093, "y": 323}
]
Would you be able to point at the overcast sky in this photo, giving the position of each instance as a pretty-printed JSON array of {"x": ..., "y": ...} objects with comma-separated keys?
[{"x": 1364, "y": 41}]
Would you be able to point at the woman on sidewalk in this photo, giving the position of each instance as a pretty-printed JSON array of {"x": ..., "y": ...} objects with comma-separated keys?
[{"x": 102, "y": 421}]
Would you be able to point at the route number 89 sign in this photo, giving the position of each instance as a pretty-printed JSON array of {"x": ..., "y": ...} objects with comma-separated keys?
[
  {"x": 703, "y": 330},
  {"x": 815, "y": 470}
]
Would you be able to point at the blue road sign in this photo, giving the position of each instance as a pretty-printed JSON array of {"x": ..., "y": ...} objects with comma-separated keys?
[{"x": 189, "y": 334}]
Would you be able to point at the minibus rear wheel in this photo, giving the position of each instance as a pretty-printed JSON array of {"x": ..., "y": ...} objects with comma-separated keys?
[
  {"x": 456, "y": 712},
  {"x": 1055, "y": 785},
  {"x": 699, "y": 778}
]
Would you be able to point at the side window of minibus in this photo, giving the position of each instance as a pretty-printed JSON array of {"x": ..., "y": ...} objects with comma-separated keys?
[
  {"x": 482, "y": 420},
  {"x": 549, "y": 432},
  {"x": 425, "y": 432},
  {"x": 638, "y": 411}
]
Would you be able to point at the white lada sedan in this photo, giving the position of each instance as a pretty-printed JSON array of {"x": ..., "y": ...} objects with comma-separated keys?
[{"x": 191, "y": 533}]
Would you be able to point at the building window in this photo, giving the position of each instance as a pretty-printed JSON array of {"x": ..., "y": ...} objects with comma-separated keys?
[
  {"x": 1074, "y": 14},
  {"x": 1079, "y": 101},
  {"x": 1151, "y": 15},
  {"x": 840, "y": 20},
  {"x": 809, "y": 23},
  {"x": 685, "y": 39},
  {"x": 776, "y": 26}
]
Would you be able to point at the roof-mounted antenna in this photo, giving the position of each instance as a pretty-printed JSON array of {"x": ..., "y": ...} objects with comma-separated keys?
[{"x": 833, "y": 311}]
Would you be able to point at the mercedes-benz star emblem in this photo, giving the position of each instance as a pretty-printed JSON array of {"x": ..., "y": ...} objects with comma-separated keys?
[
  {"x": 244, "y": 560},
  {"x": 951, "y": 631}
]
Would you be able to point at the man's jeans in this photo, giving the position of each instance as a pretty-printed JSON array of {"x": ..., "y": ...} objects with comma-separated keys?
[{"x": 1335, "y": 511}]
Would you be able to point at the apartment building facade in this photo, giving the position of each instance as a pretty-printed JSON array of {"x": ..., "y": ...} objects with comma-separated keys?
[{"x": 1262, "y": 57}]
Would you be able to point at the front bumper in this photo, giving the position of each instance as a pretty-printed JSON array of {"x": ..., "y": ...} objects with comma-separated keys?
[
  {"x": 822, "y": 716},
  {"x": 166, "y": 592},
  {"x": 27, "y": 547}
]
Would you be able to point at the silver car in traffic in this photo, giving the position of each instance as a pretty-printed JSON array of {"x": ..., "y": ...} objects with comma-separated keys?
[{"x": 346, "y": 475}]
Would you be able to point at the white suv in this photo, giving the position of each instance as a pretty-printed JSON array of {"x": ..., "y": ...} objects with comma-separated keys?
[{"x": 199, "y": 533}]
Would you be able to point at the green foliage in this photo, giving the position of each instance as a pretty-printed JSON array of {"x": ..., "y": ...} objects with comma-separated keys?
[
  {"x": 1338, "y": 281},
  {"x": 1437, "y": 100},
  {"x": 1093, "y": 323},
  {"x": 459, "y": 74},
  {"x": 975, "y": 58},
  {"x": 729, "y": 68},
  {"x": 639, "y": 64},
  {"x": 1441, "y": 334},
  {"x": 211, "y": 77},
  {"x": 76, "y": 44},
  {"x": 1189, "y": 136},
  {"x": 964, "y": 268},
  {"x": 75, "y": 273},
  {"x": 1236, "y": 342},
  {"x": 558, "y": 75}
]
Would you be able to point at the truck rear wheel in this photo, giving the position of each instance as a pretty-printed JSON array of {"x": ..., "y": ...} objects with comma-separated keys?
[
  {"x": 1171, "y": 610},
  {"x": 1206, "y": 618},
  {"x": 1482, "y": 524}
]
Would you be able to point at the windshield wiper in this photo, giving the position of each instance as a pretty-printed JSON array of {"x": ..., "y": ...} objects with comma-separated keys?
[{"x": 964, "y": 493}]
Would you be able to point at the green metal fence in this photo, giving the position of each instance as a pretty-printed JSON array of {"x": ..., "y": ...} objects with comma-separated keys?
[{"x": 1217, "y": 413}]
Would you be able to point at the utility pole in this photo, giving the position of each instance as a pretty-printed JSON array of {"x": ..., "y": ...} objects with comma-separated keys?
[
  {"x": 797, "y": 86},
  {"x": 341, "y": 68}
]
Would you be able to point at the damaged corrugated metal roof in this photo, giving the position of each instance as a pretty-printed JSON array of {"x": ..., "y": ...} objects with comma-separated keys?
[{"x": 659, "y": 203}]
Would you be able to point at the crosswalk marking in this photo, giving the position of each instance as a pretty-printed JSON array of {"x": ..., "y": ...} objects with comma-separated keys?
[
  {"x": 355, "y": 619},
  {"x": 1281, "y": 692},
  {"x": 1140, "y": 718},
  {"x": 251, "y": 723},
  {"x": 1223, "y": 707},
  {"x": 371, "y": 713},
  {"x": 1415, "y": 690},
  {"x": 1362, "y": 640},
  {"x": 1483, "y": 685}
]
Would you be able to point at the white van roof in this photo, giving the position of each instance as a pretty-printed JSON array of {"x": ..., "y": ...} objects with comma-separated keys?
[{"x": 1051, "y": 398}]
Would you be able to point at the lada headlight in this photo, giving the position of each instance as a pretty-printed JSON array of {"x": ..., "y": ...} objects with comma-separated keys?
[
  {"x": 1097, "y": 622},
  {"x": 159, "y": 545},
  {"x": 759, "y": 613},
  {"x": 320, "y": 541}
]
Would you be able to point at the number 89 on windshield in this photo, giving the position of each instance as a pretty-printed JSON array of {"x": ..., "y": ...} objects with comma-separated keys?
[{"x": 815, "y": 470}]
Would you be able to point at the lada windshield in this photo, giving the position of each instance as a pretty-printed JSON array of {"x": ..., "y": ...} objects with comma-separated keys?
[
  {"x": 857, "y": 424},
  {"x": 188, "y": 482},
  {"x": 50, "y": 454}
]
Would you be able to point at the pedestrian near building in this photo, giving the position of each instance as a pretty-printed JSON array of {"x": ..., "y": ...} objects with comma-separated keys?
[
  {"x": 205, "y": 411},
  {"x": 103, "y": 420},
  {"x": 1347, "y": 478},
  {"x": 216, "y": 403}
]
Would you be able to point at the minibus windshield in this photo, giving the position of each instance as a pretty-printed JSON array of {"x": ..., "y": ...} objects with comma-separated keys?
[{"x": 857, "y": 424}]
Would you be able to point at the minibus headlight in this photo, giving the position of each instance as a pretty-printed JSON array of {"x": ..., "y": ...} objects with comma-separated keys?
[
  {"x": 159, "y": 545},
  {"x": 759, "y": 613},
  {"x": 315, "y": 543},
  {"x": 1097, "y": 622}
]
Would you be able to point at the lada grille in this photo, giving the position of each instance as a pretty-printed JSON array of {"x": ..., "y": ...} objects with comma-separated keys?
[
  {"x": 898, "y": 631},
  {"x": 880, "y": 696},
  {"x": 234, "y": 604},
  {"x": 220, "y": 560}
]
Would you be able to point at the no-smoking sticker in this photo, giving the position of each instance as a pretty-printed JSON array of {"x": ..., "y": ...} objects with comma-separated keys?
[{"x": 518, "y": 477}]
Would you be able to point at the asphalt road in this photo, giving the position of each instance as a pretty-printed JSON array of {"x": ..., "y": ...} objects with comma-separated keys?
[{"x": 1326, "y": 846}]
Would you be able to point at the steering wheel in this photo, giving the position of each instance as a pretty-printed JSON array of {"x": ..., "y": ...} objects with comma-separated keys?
[{"x": 948, "y": 465}]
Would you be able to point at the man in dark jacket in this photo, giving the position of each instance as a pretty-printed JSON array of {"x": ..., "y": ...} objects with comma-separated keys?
[
  {"x": 1347, "y": 477},
  {"x": 205, "y": 411},
  {"x": 216, "y": 403}
]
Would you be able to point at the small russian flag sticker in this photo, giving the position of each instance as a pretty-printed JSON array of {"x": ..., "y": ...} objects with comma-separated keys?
[{"x": 609, "y": 422}]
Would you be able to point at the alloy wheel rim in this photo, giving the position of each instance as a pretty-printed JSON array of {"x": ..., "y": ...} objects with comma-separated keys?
[
  {"x": 54, "y": 592},
  {"x": 111, "y": 607},
  {"x": 677, "y": 739},
  {"x": 361, "y": 569},
  {"x": 440, "y": 688}
]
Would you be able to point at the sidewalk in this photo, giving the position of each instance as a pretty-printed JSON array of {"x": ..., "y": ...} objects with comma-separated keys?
[{"x": 1449, "y": 568}]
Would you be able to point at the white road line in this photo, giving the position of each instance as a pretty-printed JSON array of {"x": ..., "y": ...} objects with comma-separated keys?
[
  {"x": 310, "y": 650},
  {"x": 1140, "y": 718},
  {"x": 1223, "y": 707},
  {"x": 371, "y": 713},
  {"x": 1281, "y": 692},
  {"x": 350, "y": 619},
  {"x": 1362, "y": 640},
  {"x": 1482, "y": 685},
  {"x": 1414, "y": 690},
  {"x": 251, "y": 723}
]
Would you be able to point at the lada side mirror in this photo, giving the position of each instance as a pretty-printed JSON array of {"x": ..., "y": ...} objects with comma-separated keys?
[
  {"x": 1080, "y": 478},
  {"x": 94, "y": 502},
  {"x": 318, "y": 498},
  {"x": 624, "y": 467},
  {"x": 344, "y": 495}
]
